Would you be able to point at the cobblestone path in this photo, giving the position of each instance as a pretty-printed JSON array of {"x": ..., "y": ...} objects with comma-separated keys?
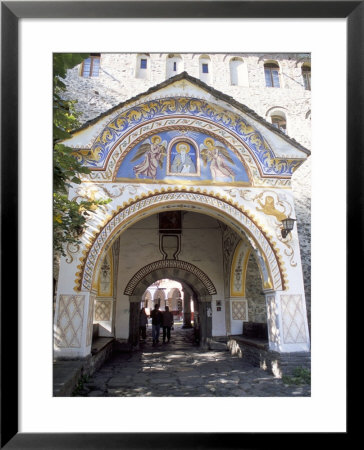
[{"x": 181, "y": 369}]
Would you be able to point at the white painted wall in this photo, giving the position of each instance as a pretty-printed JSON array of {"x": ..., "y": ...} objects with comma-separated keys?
[{"x": 139, "y": 246}]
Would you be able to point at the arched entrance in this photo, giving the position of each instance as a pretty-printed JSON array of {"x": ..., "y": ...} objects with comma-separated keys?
[
  {"x": 285, "y": 332},
  {"x": 184, "y": 272},
  {"x": 210, "y": 203},
  {"x": 236, "y": 171}
]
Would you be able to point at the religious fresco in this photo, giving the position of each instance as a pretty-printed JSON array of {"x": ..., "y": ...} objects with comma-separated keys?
[
  {"x": 105, "y": 288},
  {"x": 152, "y": 152},
  {"x": 105, "y": 143},
  {"x": 183, "y": 159},
  {"x": 180, "y": 156},
  {"x": 238, "y": 269}
]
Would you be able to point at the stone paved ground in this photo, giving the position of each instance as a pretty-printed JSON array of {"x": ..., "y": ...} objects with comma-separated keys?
[{"x": 181, "y": 369}]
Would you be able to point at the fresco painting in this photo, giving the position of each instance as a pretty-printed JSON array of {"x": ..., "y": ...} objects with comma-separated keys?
[
  {"x": 182, "y": 159},
  {"x": 184, "y": 155},
  {"x": 152, "y": 151}
]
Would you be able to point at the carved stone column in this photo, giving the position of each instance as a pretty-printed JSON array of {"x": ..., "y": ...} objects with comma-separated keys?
[
  {"x": 186, "y": 310},
  {"x": 134, "y": 321},
  {"x": 287, "y": 322},
  {"x": 73, "y": 325},
  {"x": 205, "y": 314}
]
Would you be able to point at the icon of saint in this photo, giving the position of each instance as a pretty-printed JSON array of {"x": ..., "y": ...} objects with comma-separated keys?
[{"x": 182, "y": 162}]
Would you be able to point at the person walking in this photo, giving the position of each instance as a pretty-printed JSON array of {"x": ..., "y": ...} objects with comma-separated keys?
[
  {"x": 143, "y": 321},
  {"x": 157, "y": 319},
  {"x": 167, "y": 324}
]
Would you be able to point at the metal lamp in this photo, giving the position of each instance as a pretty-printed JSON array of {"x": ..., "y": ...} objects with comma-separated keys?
[{"x": 288, "y": 225}]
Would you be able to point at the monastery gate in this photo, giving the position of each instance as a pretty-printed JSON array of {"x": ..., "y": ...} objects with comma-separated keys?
[{"x": 199, "y": 186}]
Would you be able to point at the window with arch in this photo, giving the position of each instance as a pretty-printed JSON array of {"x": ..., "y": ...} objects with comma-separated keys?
[
  {"x": 271, "y": 72},
  {"x": 238, "y": 72},
  {"x": 205, "y": 68},
  {"x": 142, "y": 66},
  {"x": 279, "y": 121},
  {"x": 306, "y": 75},
  {"x": 174, "y": 65},
  {"x": 91, "y": 66},
  {"x": 278, "y": 118}
]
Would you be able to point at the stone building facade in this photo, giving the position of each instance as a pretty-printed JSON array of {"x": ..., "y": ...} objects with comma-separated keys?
[
  {"x": 245, "y": 121},
  {"x": 119, "y": 79}
]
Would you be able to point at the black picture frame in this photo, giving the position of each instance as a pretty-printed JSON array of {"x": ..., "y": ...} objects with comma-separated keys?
[{"x": 11, "y": 12}]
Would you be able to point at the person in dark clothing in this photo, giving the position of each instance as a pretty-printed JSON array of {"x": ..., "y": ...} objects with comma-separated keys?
[
  {"x": 143, "y": 321},
  {"x": 167, "y": 324},
  {"x": 157, "y": 319}
]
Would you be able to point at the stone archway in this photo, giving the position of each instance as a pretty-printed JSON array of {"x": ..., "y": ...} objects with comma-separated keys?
[
  {"x": 183, "y": 272},
  {"x": 208, "y": 203},
  {"x": 181, "y": 269}
]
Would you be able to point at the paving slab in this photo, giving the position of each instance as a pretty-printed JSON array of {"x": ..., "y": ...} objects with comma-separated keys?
[{"x": 181, "y": 369}]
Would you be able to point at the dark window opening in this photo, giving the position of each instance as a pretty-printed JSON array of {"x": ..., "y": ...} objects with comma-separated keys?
[
  {"x": 205, "y": 68},
  {"x": 174, "y": 66},
  {"x": 143, "y": 63},
  {"x": 306, "y": 74},
  {"x": 280, "y": 123}
]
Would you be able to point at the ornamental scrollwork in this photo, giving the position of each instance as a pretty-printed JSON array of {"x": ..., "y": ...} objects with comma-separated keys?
[{"x": 105, "y": 142}]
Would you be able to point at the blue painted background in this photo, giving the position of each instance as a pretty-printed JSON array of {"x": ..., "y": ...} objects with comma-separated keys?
[{"x": 126, "y": 168}]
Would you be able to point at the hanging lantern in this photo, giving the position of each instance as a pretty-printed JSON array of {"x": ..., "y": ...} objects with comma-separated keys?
[{"x": 288, "y": 225}]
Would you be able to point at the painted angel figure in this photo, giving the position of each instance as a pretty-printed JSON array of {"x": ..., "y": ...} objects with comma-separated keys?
[
  {"x": 216, "y": 155},
  {"x": 154, "y": 151}
]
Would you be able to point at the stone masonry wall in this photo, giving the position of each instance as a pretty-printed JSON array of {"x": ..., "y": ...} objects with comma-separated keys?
[
  {"x": 257, "y": 311},
  {"x": 118, "y": 81},
  {"x": 301, "y": 187}
]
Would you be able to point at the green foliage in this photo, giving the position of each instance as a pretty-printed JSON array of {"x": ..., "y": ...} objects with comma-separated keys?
[
  {"x": 69, "y": 216},
  {"x": 64, "y": 61},
  {"x": 80, "y": 385},
  {"x": 300, "y": 375}
]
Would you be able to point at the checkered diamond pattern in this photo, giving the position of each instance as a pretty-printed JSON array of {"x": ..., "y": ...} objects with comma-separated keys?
[
  {"x": 102, "y": 311},
  {"x": 294, "y": 330},
  {"x": 90, "y": 320},
  {"x": 70, "y": 318},
  {"x": 239, "y": 310}
]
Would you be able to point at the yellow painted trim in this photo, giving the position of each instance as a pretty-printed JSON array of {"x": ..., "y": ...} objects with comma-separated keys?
[
  {"x": 240, "y": 293},
  {"x": 266, "y": 284},
  {"x": 245, "y": 267},
  {"x": 182, "y": 182}
]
